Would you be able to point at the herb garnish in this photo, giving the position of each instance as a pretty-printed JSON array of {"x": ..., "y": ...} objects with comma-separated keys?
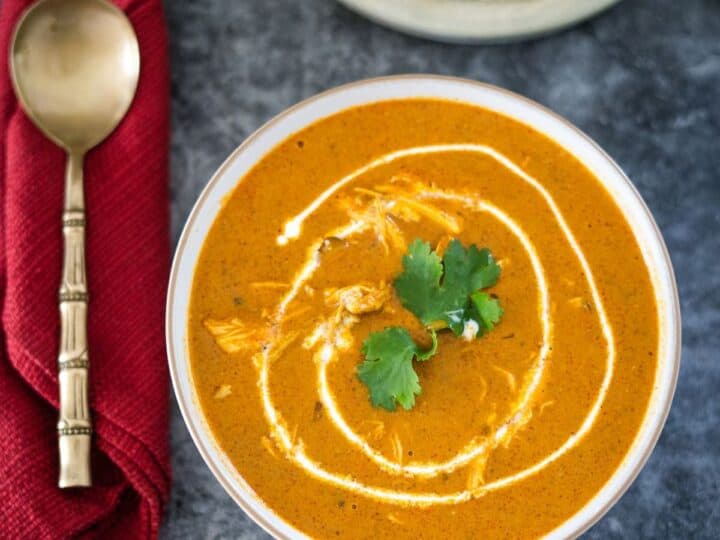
[
  {"x": 387, "y": 370},
  {"x": 441, "y": 292}
]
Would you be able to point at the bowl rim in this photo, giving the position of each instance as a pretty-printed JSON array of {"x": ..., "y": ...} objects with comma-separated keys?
[{"x": 657, "y": 409}]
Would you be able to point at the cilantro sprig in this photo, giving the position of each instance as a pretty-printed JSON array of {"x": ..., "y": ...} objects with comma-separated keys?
[
  {"x": 442, "y": 293},
  {"x": 439, "y": 290},
  {"x": 387, "y": 370}
]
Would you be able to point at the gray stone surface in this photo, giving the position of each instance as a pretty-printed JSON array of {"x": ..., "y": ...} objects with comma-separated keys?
[{"x": 642, "y": 79}]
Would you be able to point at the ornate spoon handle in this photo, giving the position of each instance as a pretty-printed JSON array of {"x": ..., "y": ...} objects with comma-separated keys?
[{"x": 74, "y": 425}]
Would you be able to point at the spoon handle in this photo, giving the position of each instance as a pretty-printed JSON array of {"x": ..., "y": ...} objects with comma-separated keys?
[{"x": 74, "y": 425}]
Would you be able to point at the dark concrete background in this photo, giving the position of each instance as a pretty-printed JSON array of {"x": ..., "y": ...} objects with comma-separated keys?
[{"x": 642, "y": 79}]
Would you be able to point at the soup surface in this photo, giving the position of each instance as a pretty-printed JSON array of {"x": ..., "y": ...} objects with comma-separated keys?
[{"x": 509, "y": 433}]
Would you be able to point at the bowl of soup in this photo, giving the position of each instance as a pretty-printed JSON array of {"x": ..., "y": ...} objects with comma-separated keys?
[{"x": 422, "y": 307}]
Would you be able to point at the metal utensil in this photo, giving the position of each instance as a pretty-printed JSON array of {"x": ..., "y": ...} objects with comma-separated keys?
[{"x": 74, "y": 67}]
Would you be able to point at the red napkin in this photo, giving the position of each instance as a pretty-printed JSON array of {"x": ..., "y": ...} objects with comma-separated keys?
[{"x": 127, "y": 259}]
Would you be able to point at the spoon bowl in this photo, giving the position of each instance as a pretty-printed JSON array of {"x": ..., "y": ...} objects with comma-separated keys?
[{"x": 75, "y": 67}]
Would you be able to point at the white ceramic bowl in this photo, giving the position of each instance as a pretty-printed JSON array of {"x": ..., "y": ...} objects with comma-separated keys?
[{"x": 502, "y": 101}]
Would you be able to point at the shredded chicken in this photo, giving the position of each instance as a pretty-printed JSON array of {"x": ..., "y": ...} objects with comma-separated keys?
[
  {"x": 375, "y": 429},
  {"x": 476, "y": 472},
  {"x": 269, "y": 446},
  {"x": 403, "y": 190},
  {"x": 270, "y": 285},
  {"x": 299, "y": 312},
  {"x": 432, "y": 213},
  {"x": 360, "y": 298},
  {"x": 484, "y": 390},
  {"x": 392, "y": 203},
  {"x": 395, "y": 235},
  {"x": 403, "y": 183},
  {"x": 368, "y": 192},
  {"x": 232, "y": 336},
  {"x": 377, "y": 216},
  {"x": 282, "y": 343},
  {"x": 223, "y": 391},
  {"x": 336, "y": 329},
  {"x": 545, "y": 405},
  {"x": 397, "y": 448},
  {"x": 509, "y": 377},
  {"x": 579, "y": 302},
  {"x": 349, "y": 302}
]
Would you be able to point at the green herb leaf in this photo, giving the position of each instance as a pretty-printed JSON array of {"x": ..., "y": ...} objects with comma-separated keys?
[
  {"x": 388, "y": 371},
  {"x": 440, "y": 291},
  {"x": 487, "y": 308},
  {"x": 418, "y": 285}
]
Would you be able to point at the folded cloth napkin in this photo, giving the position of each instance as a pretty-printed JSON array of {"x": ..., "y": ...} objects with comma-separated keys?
[{"x": 127, "y": 265}]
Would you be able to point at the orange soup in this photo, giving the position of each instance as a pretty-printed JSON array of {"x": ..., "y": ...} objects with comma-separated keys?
[{"x": 422, "y": 319}]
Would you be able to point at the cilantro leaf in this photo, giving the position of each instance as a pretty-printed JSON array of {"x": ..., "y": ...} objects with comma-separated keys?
[
  {"x": 419, "y": 284},
  {"x": 440, "y": 291},
  {"x": 388, "y": 371},
  {"x": 487, "y": 271},
  {"x": 487, "y": 308}
]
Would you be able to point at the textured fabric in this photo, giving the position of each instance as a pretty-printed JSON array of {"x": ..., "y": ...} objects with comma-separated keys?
[{"x": 127, "y": 266}]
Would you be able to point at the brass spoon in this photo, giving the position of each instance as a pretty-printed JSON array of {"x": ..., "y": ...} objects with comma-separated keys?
[{"x": 75, "y": 67}]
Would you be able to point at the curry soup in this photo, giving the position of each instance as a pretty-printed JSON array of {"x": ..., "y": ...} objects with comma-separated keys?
[{"x": 519, "y": 417}]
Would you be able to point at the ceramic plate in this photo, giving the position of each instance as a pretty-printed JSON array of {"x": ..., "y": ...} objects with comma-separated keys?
[{"x": 475, "y": 21}]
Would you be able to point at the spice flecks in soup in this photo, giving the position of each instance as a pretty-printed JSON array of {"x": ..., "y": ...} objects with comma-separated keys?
[{"x": 510, "y": 433}]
